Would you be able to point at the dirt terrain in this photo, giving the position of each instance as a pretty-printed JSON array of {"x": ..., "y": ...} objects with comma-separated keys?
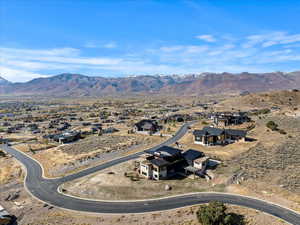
[
  {"x": 104, "y": 143},
  {"x": 10, "y": 170}
]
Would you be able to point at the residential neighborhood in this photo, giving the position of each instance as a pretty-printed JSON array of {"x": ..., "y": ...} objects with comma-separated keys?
[
  {"x": 177, "y": 148},
  {"x": 149, "y": 112}
]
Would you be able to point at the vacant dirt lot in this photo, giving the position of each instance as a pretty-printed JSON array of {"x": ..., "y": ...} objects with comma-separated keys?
[
  {"x": 19, "y": 137},
  {"x": 9, "y": 170},
  {"x": 104, "y": 143},
  {"x": 34, "y": 147}
]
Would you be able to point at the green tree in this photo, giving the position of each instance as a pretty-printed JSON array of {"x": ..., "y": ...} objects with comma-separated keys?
[
  {"x": 215, "y": 214},
  {"x": 272, "y": 125},
  {"x": 212, "y": 214}
]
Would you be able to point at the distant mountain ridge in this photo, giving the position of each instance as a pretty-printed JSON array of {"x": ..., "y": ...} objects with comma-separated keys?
[
  {"x": 3, "y": 81},
  {"x": 198, "y": 84}
]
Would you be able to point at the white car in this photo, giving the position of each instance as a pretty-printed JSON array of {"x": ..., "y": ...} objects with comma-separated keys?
[{"x": 5, "y": 218}]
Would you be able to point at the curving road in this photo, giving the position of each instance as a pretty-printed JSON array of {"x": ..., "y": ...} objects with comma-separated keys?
[{"x": 46, "y": 191}]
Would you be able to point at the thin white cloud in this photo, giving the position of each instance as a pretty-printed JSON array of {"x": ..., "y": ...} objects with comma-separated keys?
[
  {"x": 90, "y": 44},
  {"x": 192, "y": 49},
  {"x": 171, "y": 48},
  {"x": 259, "y": 52},
  {"x": 25, "y": 64},
  {"x": 206, "y": 37},
  {"x": 184, "y": 49},
  {"x": 80, "y": 60},
  {"x": 40, "y": 52},
  {"x": 108, "y": 45},
  {"x": 270, "y": 39},
  {"x": 64, "y": 55},
  {"x": 221, "y": 50},
  {"x": 269, "y": 43}
]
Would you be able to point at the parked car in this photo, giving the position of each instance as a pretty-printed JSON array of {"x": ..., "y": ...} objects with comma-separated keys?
[{"x": 5, "y": 218}]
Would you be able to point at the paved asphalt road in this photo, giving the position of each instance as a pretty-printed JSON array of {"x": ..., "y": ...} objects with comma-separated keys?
[{"x": 46, "y": 190}]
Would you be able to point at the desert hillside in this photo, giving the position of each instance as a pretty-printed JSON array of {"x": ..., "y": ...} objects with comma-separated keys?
[{"x": 285, "y": 99}]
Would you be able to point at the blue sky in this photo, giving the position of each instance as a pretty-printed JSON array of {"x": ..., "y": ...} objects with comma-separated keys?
[{"x": 120, "y": 38}]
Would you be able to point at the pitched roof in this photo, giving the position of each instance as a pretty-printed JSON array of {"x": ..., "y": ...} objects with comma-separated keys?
[
  {"x": 191, "y": 155},
  {"x": 147, "y": 125},
  {"x": 209, "y": 131},
  {"x": 165, "y": 151},
  {"x": 142, "y": 122},
  {"x": 212, "y": 131},
  {"x": 159, "y": 162},
  {"x": 233, "y": 132}
]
